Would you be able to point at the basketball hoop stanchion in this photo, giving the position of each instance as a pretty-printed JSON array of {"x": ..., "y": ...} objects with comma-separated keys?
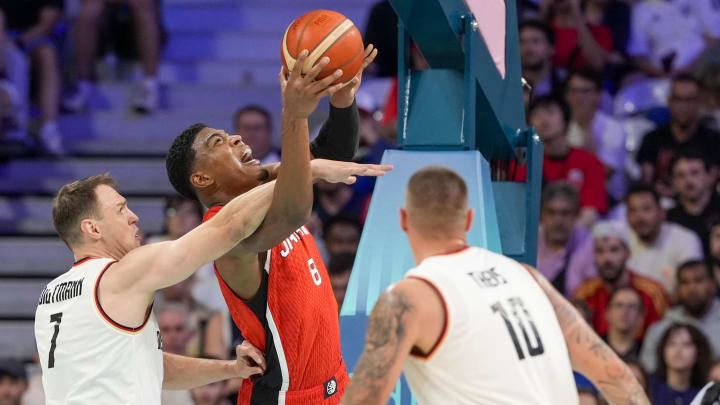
[{"x": 463, "y": 112}]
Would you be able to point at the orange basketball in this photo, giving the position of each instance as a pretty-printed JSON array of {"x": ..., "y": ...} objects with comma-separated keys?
[{"x": 324, "y": 33}]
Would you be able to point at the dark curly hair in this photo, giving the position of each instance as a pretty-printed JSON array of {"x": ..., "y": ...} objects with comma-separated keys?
[
  {"x": 180, "y": 159},
  {"x": 702, "y": 358}
]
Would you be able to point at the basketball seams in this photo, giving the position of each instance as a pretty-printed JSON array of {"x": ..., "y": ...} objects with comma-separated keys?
[
  {"x": 328, "y": 41},
  {"x": 302, "y": 31}
]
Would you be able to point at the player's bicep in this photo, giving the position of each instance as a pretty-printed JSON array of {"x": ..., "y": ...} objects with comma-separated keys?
[{"x": 392, "y": 332}]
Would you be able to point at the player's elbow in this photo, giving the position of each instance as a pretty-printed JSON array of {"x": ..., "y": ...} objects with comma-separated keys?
[{"x": 299, "y": 214}]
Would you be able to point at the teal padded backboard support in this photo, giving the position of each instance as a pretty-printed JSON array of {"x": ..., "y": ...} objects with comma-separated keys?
[{"x": 461, "y": 113}]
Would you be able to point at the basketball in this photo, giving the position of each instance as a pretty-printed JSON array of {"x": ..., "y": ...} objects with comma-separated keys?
[{"x": 324, "y": 33}]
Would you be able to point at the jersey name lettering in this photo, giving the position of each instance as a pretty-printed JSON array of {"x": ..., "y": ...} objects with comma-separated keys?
[
  {"x": 61, "y": 292},
  {"x": 487, "y": 278},
  {"x": 288, "y": 244}
]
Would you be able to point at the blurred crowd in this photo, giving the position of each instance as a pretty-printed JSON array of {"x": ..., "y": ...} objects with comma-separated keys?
[
  {"x": 626, "y": 98},
  {"x": 48, "y": 55}
]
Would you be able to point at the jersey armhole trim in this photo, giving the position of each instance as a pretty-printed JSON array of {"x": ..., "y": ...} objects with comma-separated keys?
[
  {"x": 107, "y": 318},
  {"x": 433, "y": 349}
]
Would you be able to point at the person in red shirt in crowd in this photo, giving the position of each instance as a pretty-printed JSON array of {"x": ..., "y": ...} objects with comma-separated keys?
[
  {"x": 579, "y": 43},
  {"x": 611, "y": 252},
  {"x": 563, "y": 162}
]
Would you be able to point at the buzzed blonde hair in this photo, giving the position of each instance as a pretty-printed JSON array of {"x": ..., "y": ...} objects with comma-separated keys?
[{"x": 437, "y": 202}]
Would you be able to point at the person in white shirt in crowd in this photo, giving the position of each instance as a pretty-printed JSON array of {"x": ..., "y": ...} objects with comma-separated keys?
[
  {"x": 254, "y": 124},
  {"x": 595, "y": 131},
  {"x": 657, "y": 247},
  {"x": 697, "y": 306},
  {"x": 668, "y": 36}
]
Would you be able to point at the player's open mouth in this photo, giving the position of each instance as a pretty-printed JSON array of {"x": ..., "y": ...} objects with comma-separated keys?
[{"x": 247, "y": 159}]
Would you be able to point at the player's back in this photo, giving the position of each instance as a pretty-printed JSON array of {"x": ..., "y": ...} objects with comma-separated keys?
[
  {"x": 85, "y": 356},
  {"x": 502, "y": 344}
]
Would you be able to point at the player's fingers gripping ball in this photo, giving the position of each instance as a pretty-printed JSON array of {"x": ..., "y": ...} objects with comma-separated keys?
[{"x": 324, "y": 33}]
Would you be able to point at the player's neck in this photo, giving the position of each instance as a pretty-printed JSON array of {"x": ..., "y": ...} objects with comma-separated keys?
[
  {"x": 94, "y": 252},
  {"x": 423, "y": 247}
]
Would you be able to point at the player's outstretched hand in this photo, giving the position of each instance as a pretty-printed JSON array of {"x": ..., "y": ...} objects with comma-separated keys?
[
  {"x": 344, "y": 97},
  {"x": 301, "y": 93},
  {"x": 345, "y": 172},
  {"x": 250, "y": 360}
]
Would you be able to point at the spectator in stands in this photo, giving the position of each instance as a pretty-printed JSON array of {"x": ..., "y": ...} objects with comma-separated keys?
[
  {"x": 254, "y": 124},
  {"x": 697, "y": 202},
  {"x": 381, "y": 30},
  {"x": 668, "y": 36},
  {"x": 579, "y": 43},
  {"x": 147, "y": 27},
  {"x": 198, "y": 314},
  {"x": 340, "y": 268},
  {"x": 175, "y": 330},
  {"x": 714, "y": 244},
  {"x": 564, "y": 162},
  {"x": 13, "y": 381},
  {"x": 595, "y": 131},
  {"x": 697, "y": 305},
  {"x": 332, "y": 199},
  {"x": 714, "y": 373},
  {"x": 341, "y": 234},
  {"x": 210, "y": 394},
  {"x": 31, "y": 25},
  {"x": 588, "y": 397},
  {"x": 657, "y": 247},
  {"x": 624, "y": 317},
  {"x": 611, "y": 251},
  {"x": 683, "y": 131},
  {"x": 564, "y": 249},
  {"x": 683, "y": 361},
  {"x": 710, "y": 83},
  {"x": 615, "y": 15},
  {"x": 537, "y": 45}
]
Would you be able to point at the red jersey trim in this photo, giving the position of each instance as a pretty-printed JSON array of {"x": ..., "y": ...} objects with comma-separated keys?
[
  {"x": 83, "y": 260},
  {"x": 107, "y": 317},
  {"x": 437, "y": 344}
]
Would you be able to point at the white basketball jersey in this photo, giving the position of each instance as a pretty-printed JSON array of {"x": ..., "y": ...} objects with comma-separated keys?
[
  {"x": 86, "y": 357},
  {"x": 501, "y": 345}
]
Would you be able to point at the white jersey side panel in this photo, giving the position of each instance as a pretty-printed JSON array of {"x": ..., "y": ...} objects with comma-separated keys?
[
  {"x": 502, "y": 343},
  {"x": 86, "y": 358}
]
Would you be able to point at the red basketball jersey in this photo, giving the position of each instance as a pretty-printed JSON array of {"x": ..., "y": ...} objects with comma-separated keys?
[{"x": 293, "y": 319}]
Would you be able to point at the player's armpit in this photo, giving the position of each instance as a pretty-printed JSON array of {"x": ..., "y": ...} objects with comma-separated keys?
[
  {"x": 395, "y": 327},
  {"x": 589, "y": 355}
]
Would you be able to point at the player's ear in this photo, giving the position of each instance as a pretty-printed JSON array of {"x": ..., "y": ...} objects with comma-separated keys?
[
  {"x": 200, "y": 179},
  {"x": 469, "y": 218},
  {"x": 403, "y": 219},
  {"x": 90, "y": 228}
]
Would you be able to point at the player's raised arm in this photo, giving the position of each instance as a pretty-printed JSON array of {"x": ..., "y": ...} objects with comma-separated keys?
[
  {"x": 590, "y": 356},
  {"x": 293, "y": 195},
  {"x": 152, "y": 267},
  {"x": 407, "y": 315}
]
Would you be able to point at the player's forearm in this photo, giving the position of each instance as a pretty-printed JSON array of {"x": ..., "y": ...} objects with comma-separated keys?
[
  {"x": 293, "y": 195},
  {"x": 338, "y": 138},
  {"x": 45, "y": 26},
  {"x": 247, "y": 211},
  {"x": 594, "y": 359},
  {"x": 182, "y": 373}
]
